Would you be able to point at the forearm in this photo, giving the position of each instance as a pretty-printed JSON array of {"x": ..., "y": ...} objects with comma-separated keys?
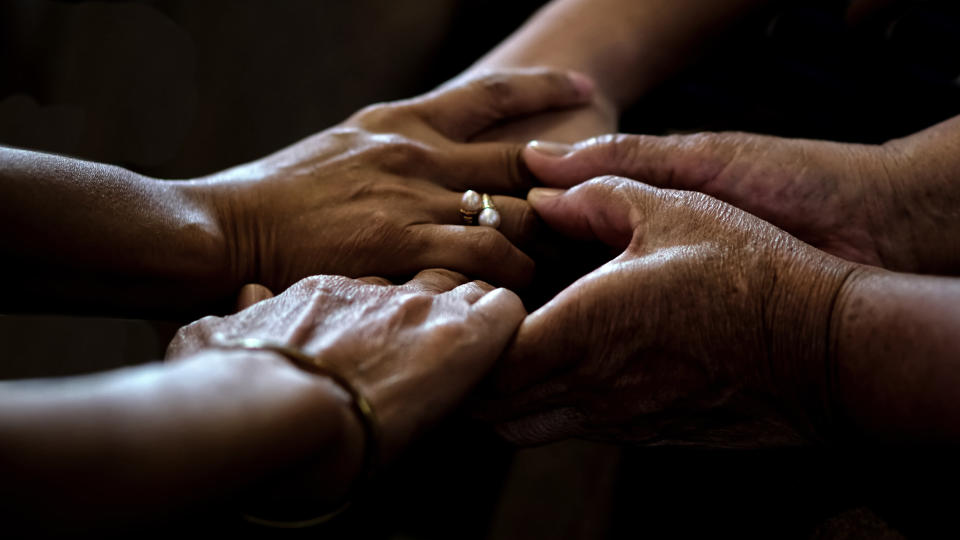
[
  {"x": 896, "y": 358},
  {"x": 76, "y": 231},
  {"x": 143, "y": 442},
  {"x": 627, "y": 46}
]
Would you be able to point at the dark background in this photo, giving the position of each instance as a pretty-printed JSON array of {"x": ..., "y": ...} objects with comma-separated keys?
[{"x": 181, "y": 88}]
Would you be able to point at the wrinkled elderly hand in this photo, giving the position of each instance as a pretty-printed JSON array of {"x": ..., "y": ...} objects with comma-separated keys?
[
  {"x": 380, "y": 194},
  {"x": 711, "y": 327},
  {"x": 893, "y": 205},
  {"x": 413, "y": 350}
]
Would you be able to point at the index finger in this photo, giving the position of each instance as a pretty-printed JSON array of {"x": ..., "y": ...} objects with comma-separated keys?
[
  {"x": 500, "y": 312},
  {"x": 468, "y": 107},
  {"x": 566, "y": 330}
]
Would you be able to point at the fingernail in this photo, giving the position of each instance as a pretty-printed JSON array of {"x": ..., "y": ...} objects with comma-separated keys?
[
  {"x": 582, "y": 83},
  {"x": 540, "y": 194},
  {"x": 550, "y": 148}
]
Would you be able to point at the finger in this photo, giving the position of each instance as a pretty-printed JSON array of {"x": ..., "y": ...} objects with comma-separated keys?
[
  {"x": 436, "y": 281},
  {"x": 679, "y": 161},
  {"x": 489, "y": 167},
  {"x": 375, "y": 280},
  {"x": 518, "y": 221},
  {"x": 470, "y": 292},
  {"x": 479, "y": 252},
  {"x": 567, "y": 330},
  {"x": 252, "y": 293},
  {"x": 605, "y": 209},
  {"x": 500, "y": 313},
  {"x": 467, "y": 107}
]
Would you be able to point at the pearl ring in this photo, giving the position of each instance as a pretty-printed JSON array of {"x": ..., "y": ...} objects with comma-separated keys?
[{"x": 479, "y": 210}]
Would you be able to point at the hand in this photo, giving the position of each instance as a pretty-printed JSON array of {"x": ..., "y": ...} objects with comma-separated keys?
[
  {"x": 710, "y": 327},
  {"x": 413, "y": 350},
  {"x": 892, "y": 205},
  {"x": 380, "y": 194}
]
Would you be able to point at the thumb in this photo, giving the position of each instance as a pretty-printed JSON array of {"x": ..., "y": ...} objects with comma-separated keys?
[
  {"x": 466, "y": 107},
  {"x": 605, "y": 209},
  {"x": 676, "y": 161}
]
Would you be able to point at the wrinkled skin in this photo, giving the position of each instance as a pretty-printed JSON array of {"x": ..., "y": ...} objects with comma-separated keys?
[
  {"x": 413, "y": 350},
  {"x": 709, "y": 328},
  {"x": 886, "y": 205},
  {"x": 380, "y": 194}
]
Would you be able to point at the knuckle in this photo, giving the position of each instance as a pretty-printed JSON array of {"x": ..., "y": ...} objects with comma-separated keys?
[
  {"x": 375, "y": 280},
  {"x": 604, "y": 189},
  {"x": 400, "y": 154},
  {"x": 719, "y": 146},
  {"x": 497, "y": 85},
  {"x": 473, "y": 289},
  {"x": 411, "y": 242},
  {"x": 371, "y": 114},
  {"x": 558, "y": 81},
  {"x": 383, "y": 116},
  {"x": 313, "y": 287},
  {"x": 483, "y": 286},
  {"x": 453, "y": 329},
  {"x": 703, "y": 142},
  {"x": 444, "y": 275},
  {"x": 415, "y": 306},
  {"x": 511, "y": 157},
  {"x": 377, "y": 227},
  {"x": 346, "y": 136},
  {"x": 526, "y": 221},
  {"x": 497, "y": 89},
  {"x": 622, "y": 151},
  {"x": 710, "y": 155},
  {"x": 311, "y": 283},
  {"x": 493, "y": 246},
  {"x": 195, "y": 334},
  {"x": 603, "y": 185}
]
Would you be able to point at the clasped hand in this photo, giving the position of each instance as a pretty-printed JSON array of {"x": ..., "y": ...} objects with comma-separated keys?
[{"x": 380, "y": 193}]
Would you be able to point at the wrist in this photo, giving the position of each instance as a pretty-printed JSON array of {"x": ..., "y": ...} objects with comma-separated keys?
[
  {"x": 325, "y": 464},
  {"x": 224, "y": 200},
  {"x": 799, "y": 318}
]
